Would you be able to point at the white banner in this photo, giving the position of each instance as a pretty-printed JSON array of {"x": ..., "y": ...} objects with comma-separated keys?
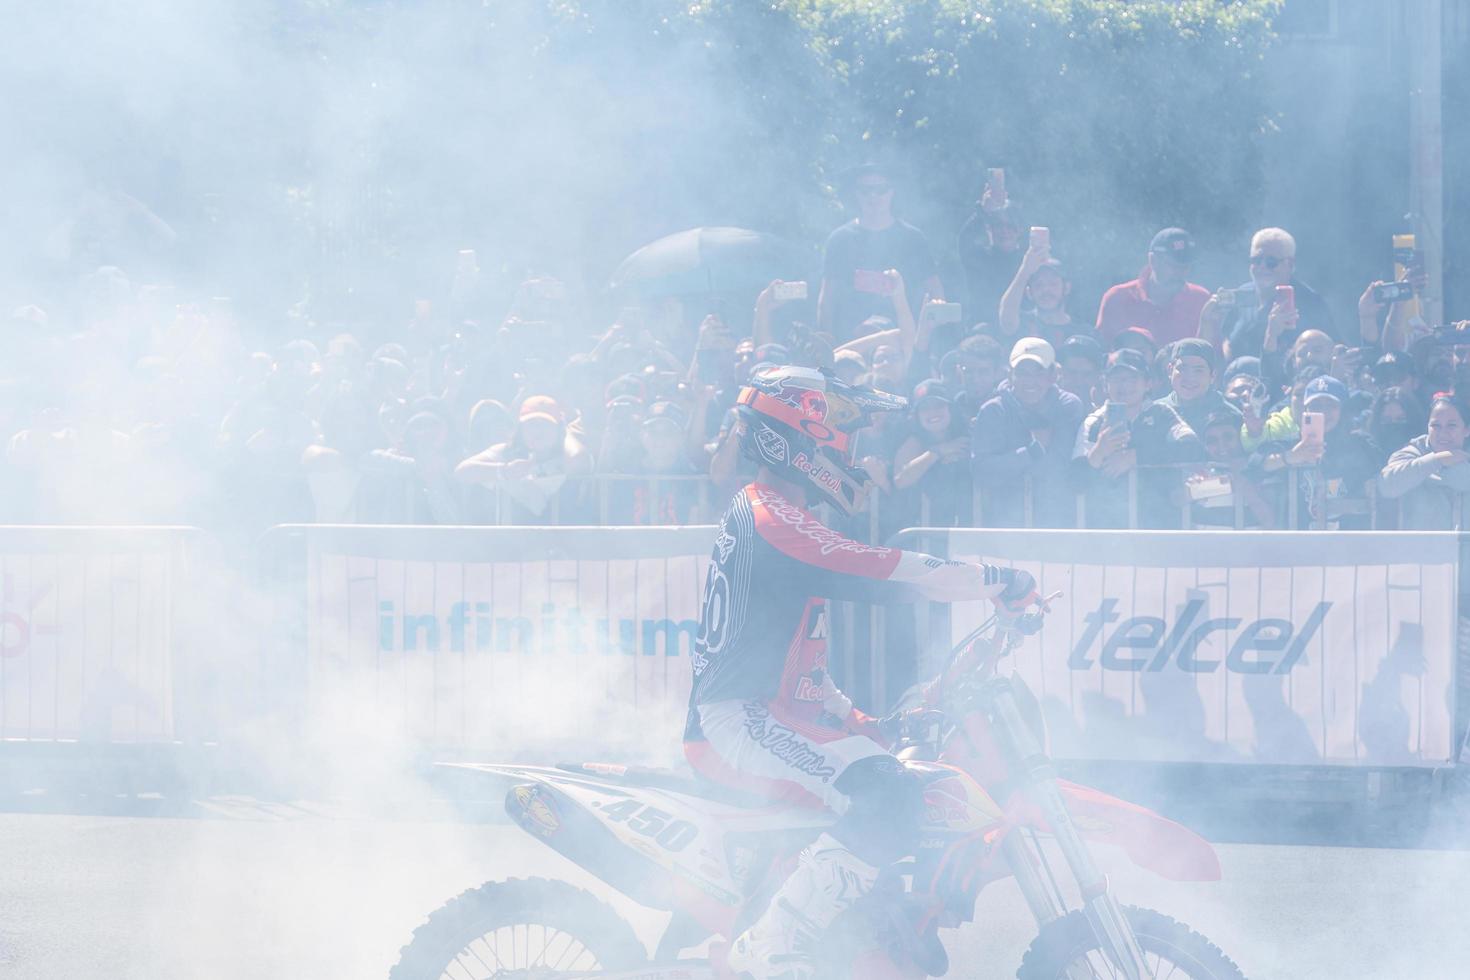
[
  {"x": 546, "y": 640},
  {"x": 1280, "y": 648},
  {"x": 88, "y": 630}
]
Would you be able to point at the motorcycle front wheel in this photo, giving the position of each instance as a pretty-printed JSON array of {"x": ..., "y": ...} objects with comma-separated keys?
[
  {"x": 1068, "y": 949},
  {"x": 531, "y": 927}
]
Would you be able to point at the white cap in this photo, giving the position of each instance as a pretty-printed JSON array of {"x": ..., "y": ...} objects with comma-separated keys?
[{"x": 1033, "y": 349}]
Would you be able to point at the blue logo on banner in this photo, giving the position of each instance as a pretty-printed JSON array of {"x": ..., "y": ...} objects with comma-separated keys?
[{"x": 1150, "y": 643}]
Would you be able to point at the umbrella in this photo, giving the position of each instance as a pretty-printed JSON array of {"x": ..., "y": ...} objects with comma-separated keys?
[{"x": 709, "y": 260}]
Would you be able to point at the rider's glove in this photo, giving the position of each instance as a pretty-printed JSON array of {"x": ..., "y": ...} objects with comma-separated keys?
[
  {"x": 834, "y": 702},
  {"x": 910, "y": 723},
  {"x": 1020, "y": 588}
]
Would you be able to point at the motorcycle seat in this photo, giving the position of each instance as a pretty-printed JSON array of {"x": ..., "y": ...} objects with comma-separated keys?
[{"x": 690, "y": 784}]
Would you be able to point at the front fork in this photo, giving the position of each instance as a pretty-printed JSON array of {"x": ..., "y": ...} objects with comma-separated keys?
[{"x": 1102, "y": 910}]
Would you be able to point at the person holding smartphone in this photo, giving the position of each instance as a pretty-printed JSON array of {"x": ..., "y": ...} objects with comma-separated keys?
[
  {"x": 1334, "y": 465},
  {"x": 1274, "y": 307},
  {"x": 989, "y": 246},
  {"x": 1127, "y": 434},
  {"x": 859, "y": 254},
  {"x": 1035, "y": 302}
]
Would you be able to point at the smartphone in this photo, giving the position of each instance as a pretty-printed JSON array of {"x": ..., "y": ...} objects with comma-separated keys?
[
  {"x": 1040, "y": 237},
  {"x": 1115, "y": 414},
  {"x": 1225, "y": 297},
  {"x": 787, "y": 291},
  {"x": 709, "y": 365},
  {"x": 1286, "y": 297},
  {"x": 466, "y": 262},
  {"x": 1246, "y": 296},
  {"x": 996, "y": 179},
  {"x": 1393, "y": 292},
  {"x": 944, "y": 312},
  {"x": 1314, "y": 428},
  {"x": 870, "y": 281}
]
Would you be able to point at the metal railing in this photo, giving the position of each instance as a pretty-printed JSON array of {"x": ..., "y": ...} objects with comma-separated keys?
[{"x": 665, "y": 500}]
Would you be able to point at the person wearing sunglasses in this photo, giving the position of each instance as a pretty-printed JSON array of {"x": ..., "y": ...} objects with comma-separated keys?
[
  {"x": 858, "y": 255},
  {"x": 1265, "y": 323}
]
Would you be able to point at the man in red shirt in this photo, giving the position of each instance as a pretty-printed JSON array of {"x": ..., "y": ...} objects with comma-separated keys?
[{"x": 1162, "y": 299}]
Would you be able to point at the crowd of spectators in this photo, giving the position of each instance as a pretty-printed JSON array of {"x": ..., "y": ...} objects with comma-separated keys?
[{"x": 1170, "y": 405}]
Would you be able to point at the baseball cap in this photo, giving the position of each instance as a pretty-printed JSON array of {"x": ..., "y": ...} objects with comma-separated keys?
[
  {"x": 1175, "y": 243},
  {"x": 1128, "y": 359},
  {"x": 1033, "y": 349},
  {"x": 1327, "y": 385},
  {"x": 540, "y": 407},
  {"x": 1391, "y": 368},
  {"x": 665, "y": 413},
  {"x": 1131, "y": 336},
  {"x": 931, "y": 389},
  {"x": 1082, "y": 345},
  {"x": 1195, "y": 347},
  {"x": 1244, "y": 364}
]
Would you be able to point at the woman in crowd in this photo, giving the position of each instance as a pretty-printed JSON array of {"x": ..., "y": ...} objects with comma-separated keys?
[
  {"x": 1430, "y": 475},
  {"x": 933, "y": 460}
]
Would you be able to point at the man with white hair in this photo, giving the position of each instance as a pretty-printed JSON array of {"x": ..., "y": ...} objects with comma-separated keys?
[{"x": 1266, "y": 320}]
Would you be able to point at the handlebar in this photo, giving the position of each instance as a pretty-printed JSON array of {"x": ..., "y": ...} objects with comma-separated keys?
[{"x": 1026, "y": 619}]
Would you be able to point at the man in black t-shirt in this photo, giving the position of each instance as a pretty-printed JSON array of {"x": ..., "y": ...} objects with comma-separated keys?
[{"x": 858, "y": 253}]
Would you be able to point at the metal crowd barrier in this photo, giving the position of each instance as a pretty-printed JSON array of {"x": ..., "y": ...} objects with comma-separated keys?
[
  {"x": 104, "y": 634},
  {"x": 595, "y": 501}
]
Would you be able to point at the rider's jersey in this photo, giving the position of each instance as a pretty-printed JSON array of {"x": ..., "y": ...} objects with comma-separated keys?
[{"x": 763, "y": 623}]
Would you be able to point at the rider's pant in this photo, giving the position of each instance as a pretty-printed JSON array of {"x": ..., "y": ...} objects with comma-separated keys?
[{"x": 877, "y": 800}]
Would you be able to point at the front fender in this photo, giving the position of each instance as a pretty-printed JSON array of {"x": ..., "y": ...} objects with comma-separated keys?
[{"x": 1151, "y": 841}]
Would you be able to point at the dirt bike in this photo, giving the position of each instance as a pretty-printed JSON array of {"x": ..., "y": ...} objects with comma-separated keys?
[{"x": 995, "y": 808}]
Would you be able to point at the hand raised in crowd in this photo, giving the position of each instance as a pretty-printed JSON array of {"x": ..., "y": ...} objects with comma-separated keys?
[
  {"x": 1112, "y": 441},
  {"x": 1035, "y": 256},
  {"x": 1368, "y": 306},
  {"x": 770, "y": 298},
  {"x": 1212, "y": 315},
  {"x": 1347, "y": 364},
  {"x": 714, "y": 335},
  {"x": 896, "y": 289},
  {"x": 1279, "y": 321},
  {"x": 1120, "y": 462},
  {"x": 1304, "y": 453}
]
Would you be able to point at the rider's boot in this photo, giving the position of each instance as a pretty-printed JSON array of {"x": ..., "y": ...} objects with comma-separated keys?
[{"x": 828, "y": 878}]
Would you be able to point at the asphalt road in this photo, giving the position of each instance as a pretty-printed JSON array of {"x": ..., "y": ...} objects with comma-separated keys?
[{"x": 251, "y": 890}]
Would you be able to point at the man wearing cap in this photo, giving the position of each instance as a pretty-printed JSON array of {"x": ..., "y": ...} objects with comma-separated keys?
[
  {"x": 1025, "y": 434},
  {"x": 1127, "y": 432},
  {"x": 1162, "y": 300},
  {"x": 858, "y": 254},
  {"x": 1192, "y": 368},
  {"x": 1334, "y": 473}
]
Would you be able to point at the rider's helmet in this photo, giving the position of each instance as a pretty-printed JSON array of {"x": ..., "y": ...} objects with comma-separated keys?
[{"x": 800, "y": 423}]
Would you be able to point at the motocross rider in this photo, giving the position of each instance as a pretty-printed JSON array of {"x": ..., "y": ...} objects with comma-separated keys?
[{"x": 764, "y": 714}]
